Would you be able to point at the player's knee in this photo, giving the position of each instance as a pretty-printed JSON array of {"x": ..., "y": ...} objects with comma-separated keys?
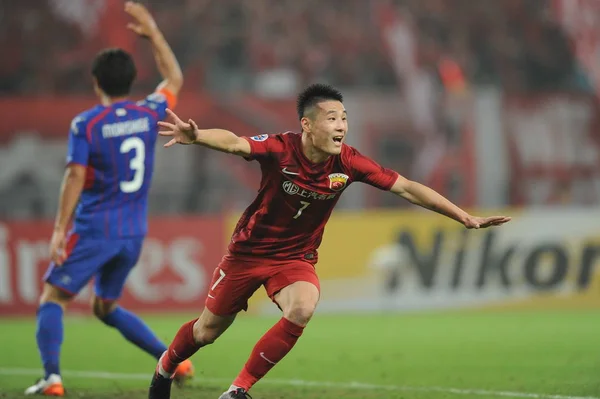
[
  {"x": 300, "y": 313},
  {"x": 209, "y": 327},
  {"x": 204, "y": 334},
  {"x": 102, "y": 308},
  {"x": 52, "y": 294}
]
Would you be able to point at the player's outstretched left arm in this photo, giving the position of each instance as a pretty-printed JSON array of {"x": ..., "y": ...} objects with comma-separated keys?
[
  {"x": 70, "y": 191},
  {"x": 426, "y": 197},
  {"x": 188, "y": 132}
]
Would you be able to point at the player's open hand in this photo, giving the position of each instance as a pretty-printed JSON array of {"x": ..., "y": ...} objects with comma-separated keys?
[
  {"x": 179, "y": 131},
  {"x": 475, "y": 222},
  {"x": 144, "y": 24},
  {"x": 58, "y": 244}
]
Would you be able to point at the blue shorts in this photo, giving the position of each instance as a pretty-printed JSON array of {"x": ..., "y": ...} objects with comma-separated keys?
[{"x": 109, "y": 261}]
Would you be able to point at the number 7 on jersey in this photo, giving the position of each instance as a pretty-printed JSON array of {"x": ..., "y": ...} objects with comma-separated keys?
[{"x": 303, "y": 207}]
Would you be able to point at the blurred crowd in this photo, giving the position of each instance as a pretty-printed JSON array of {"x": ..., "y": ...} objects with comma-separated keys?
[
  {"x": 233, "y": 44},
  {"x": 514, "y": 43}
]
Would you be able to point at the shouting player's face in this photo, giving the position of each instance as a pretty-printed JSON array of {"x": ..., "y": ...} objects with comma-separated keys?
[{"x": 326, "y": 127}]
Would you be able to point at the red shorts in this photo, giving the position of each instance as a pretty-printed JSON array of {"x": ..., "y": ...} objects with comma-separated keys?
[{"x": 236, "y": 279}]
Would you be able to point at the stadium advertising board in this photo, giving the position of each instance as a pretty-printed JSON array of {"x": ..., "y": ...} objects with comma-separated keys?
[
  {"x": 369, "y": 261},
  {"x": 418, "y": 260},
  {"x": 173, "y": 273}
]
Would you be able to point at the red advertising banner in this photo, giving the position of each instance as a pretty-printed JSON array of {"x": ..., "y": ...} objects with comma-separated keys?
[
  {"x": 580, "y": 18},
  {"x": 172, "y": 274},
  {"x": 553, "y": 142},
  {"x": 51, "y": 116}
]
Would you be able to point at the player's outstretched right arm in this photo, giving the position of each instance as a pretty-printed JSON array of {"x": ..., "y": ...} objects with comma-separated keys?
[{"x": 181, "y": 132}]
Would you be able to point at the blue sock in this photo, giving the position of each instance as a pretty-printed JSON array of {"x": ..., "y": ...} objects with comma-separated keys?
[
  {"x": 135, "y": 331},
  {"x": 49, "y": 336}
]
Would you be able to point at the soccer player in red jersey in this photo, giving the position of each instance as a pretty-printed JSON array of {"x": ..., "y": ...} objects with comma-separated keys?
[{"x": 275, "y": 241}]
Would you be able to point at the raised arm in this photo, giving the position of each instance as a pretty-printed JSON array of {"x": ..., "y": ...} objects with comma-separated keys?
[
  {"x": 217, "y": 139},
  {"x": 426, "y": 197},
  {"x": 166, "y": 62}
]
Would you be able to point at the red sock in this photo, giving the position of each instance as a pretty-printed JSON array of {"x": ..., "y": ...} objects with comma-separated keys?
[
  {"x": 182, "y": 347},
  {"x": 269, "y": 350}
]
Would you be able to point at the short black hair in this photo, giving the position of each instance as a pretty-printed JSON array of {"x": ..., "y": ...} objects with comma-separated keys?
[
  {"x": 115, "y": 71},
  {"x": 315, "y": 94}
]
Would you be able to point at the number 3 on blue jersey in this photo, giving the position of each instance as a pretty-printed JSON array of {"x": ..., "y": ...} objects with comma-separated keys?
[{"x": 136, "y": 164}]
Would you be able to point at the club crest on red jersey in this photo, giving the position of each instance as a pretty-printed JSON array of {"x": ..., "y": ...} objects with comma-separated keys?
[{"x": 337, "y": 181}]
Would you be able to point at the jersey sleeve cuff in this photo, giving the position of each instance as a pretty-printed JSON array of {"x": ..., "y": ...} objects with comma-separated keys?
[
  {"x": 80, "y": 163},
  {"x": 170, "y": 96},
  {"x": 393, "y": 179},
  {"x": 251, "y": 156}
]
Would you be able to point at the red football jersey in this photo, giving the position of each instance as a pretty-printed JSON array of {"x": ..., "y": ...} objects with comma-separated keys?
[{"x": 296, "y": 197}]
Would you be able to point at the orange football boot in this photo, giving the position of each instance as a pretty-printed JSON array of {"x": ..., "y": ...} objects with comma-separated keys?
[
  {"x": 52, "y": 386},
  {"x": 183, "y": 372}
]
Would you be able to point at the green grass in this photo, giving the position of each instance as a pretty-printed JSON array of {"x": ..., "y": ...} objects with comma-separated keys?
[{"x": 548, "y": 352}]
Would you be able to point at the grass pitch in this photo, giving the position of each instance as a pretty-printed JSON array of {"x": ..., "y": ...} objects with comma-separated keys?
[{"x": 501, "y": 354}]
